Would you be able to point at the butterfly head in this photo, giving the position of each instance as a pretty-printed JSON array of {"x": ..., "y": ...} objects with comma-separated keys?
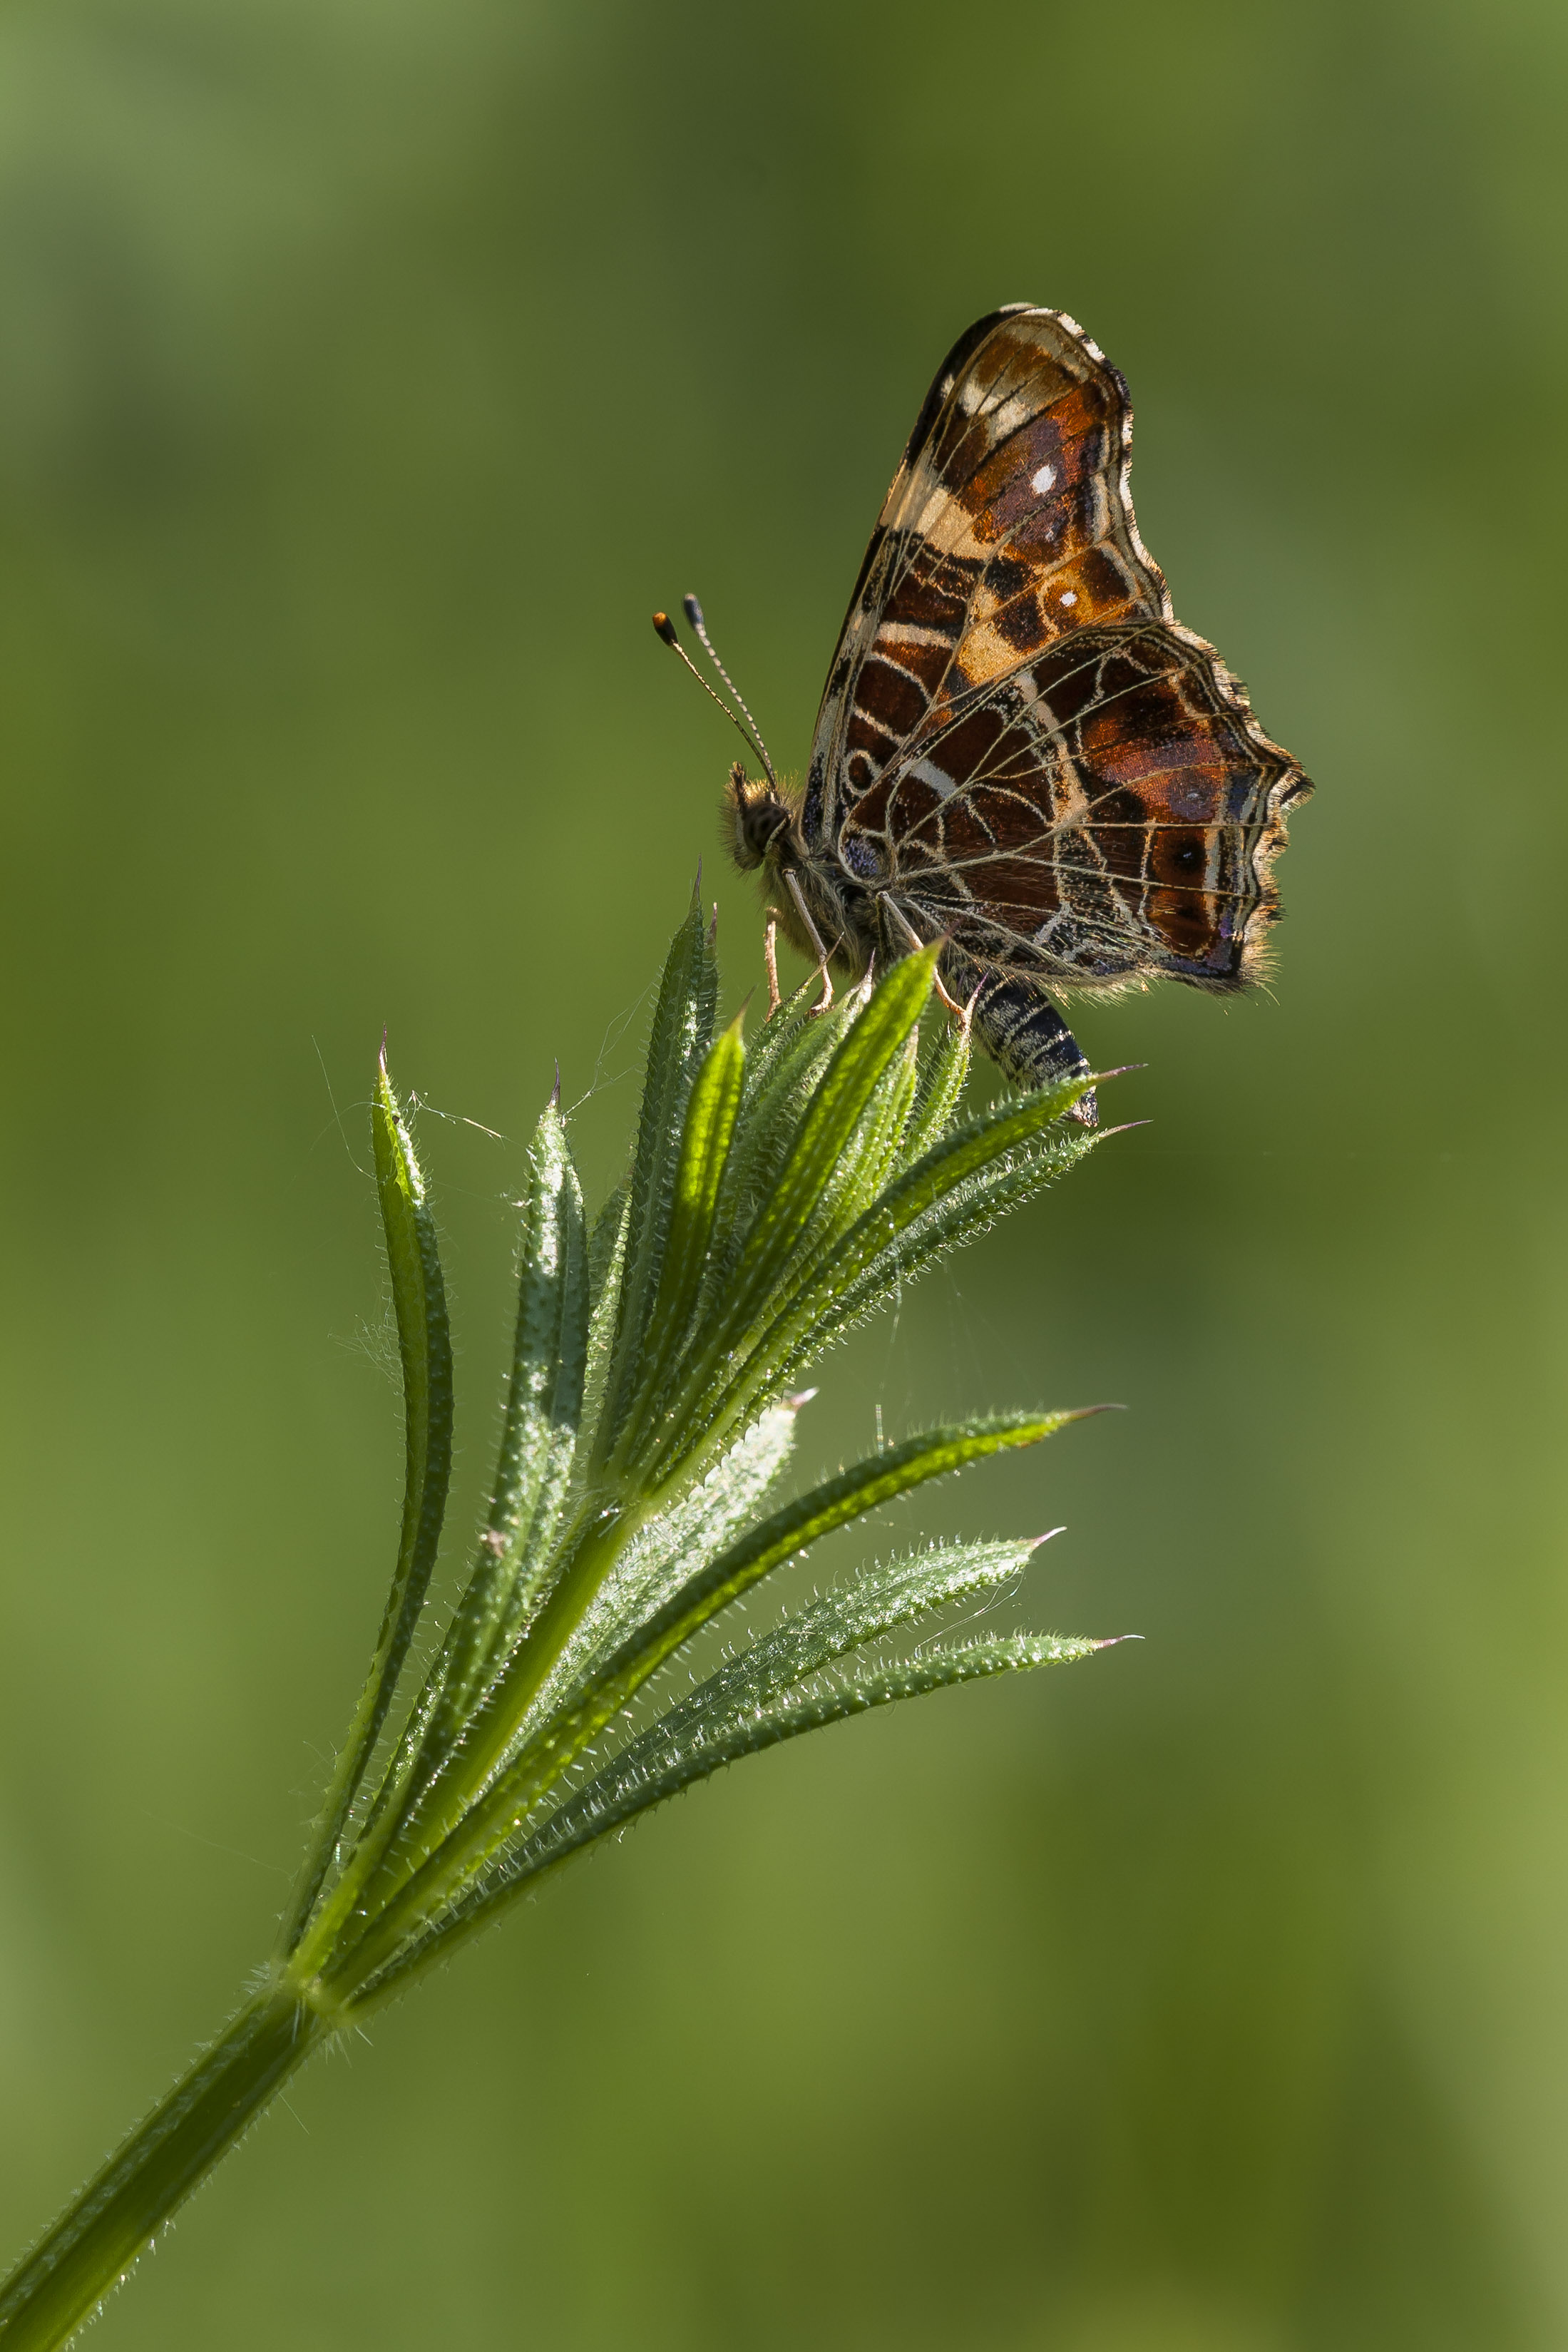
[{"x": 757, "y": 819}]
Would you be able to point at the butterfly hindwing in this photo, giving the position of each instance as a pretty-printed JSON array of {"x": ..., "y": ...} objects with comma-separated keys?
[{"x": 1108, "y": 810}]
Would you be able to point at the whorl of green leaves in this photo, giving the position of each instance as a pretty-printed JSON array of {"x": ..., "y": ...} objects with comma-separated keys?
[{"x": 777, "y": 1197}]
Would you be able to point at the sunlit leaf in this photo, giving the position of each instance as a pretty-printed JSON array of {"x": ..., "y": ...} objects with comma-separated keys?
[{"x": 425, "y": 1350}]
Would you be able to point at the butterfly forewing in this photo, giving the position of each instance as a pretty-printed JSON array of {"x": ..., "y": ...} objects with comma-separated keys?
[{"x": 1007, "y": 526}]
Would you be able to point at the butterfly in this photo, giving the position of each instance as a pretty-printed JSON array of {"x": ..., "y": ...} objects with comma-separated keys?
[{"x": 1020, "y": 752}]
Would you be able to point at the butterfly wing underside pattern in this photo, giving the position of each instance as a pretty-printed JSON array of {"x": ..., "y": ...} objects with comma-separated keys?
[{"x": 1018, "y": 744}]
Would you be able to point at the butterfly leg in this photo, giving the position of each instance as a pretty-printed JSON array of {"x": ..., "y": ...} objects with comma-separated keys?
[
  {"x": 961, "y": 1012},
  {"x": 814, "y": 935},
  {"x": 1027, "y": 1037},
  {"x": 770, "y": 960}
]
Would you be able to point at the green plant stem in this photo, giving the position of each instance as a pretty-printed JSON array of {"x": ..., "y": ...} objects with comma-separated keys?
[{"x": 114, "y": 2219}]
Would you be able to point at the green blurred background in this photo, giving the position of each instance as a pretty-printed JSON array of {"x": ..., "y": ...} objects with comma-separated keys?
[{"x": 369, "y": 371}]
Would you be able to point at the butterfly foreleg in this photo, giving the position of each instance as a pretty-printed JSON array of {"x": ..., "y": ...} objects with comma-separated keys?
[
  {"x": 770, "y": 960},
  {"x": 792, "y": 884},
  {"x": 904, "y": 927}
]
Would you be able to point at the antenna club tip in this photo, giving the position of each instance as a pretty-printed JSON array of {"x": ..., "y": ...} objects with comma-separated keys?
[
  {"x": 693, "y": 611},
  {"x": 666, "y": 628}
]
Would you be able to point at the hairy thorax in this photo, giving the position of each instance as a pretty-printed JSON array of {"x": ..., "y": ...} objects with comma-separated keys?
[{"x": 761, "y": 830}]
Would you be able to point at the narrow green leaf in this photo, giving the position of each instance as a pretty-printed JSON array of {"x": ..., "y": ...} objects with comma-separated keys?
[
  {"x": 867, "y": 1153},
  {"x": 727, "y": 1738},
  {"x": 579, "y": 1629},
  {"x": 943, "y": 1068},
  {"x": 674, "y": 1546},
  {"x": 606, "y": 1266},
  {"x": 874, "y": 1150},
  {"x": 682, "y": 1034},
  {"x": 538, "y": 1434},
  {"x": 460, "y": 1832},
  {"x": 549, "y": 1359},
  {"x": 806, "y": 1159},
  {"x": 834, "y": 1112},
  {"x": 704, "y": 1149},
  {"x": 782, "y": 1028},
  {"x": 938, "y": 1669},
  {"x": 1018, "y": 1125},
  {"x": 781, "y": 1070},
  {"x": 794, "y": 1525},
  {"x": 710, "y": 1118},
  {"x": 827, "y": 1629},
  {"x": 921, "y": 1239},
  {"x": 882, "y": 1248},
  {"x": 843, "y": 1619},
  {"x": 425, "y": 1347}
]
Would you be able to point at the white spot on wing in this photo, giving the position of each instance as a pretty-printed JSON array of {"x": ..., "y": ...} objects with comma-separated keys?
[
  {"x": 927, "y": 771},
  {"x": 1070, "y": 596},
  {"x": 1039, "y": 483}
]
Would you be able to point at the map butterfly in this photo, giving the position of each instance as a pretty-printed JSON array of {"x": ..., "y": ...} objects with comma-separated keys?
[{"x": 1021, "y": 750}]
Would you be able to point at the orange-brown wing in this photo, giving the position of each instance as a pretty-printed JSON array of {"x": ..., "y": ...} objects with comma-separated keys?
[
  {"x": 1008, "y": 525},
  {"x": 1018, "y": 738}
]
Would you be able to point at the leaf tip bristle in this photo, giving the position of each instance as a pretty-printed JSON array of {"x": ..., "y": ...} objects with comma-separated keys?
[{"x": 1046, "y": 1537}]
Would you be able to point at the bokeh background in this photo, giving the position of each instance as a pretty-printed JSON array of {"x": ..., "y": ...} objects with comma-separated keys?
[{"x": 368, "y": 370}]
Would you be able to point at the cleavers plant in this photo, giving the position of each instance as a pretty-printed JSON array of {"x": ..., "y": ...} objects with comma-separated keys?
[{"x": 776, "y": 1199}]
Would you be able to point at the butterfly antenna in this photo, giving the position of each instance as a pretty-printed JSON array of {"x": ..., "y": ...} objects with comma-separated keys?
[
  {"x": 666, "y": 628},
  {"x": 694, "y": 613}
]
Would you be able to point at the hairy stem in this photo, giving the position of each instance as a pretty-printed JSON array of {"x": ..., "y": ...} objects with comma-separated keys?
[{"x": 114, "y": 2219}]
